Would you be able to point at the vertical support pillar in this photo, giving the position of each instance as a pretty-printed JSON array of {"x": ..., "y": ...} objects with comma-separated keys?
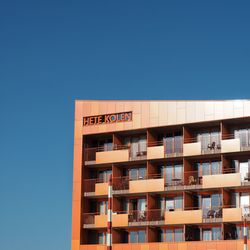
[
  {"x": 109, "y": 221},
  {"x": 245, "y": 233}
]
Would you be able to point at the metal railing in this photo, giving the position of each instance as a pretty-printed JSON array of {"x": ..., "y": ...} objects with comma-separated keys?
[
  {"x": 89, "y": 184},
  {"x": 89, "y": 218},
  {"x": 212, "y": 213},
  {"x": 192, "y": 178}
]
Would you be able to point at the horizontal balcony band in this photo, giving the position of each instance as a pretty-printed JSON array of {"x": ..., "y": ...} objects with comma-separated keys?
[
  {"x": 160, "y": 217},
  {"x": 190, "y": 180}
]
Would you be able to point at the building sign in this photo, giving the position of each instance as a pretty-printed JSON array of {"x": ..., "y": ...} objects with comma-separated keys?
[{"x": 107, "y": 119}]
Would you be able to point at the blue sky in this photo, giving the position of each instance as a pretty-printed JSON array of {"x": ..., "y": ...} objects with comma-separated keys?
[{"x": 53, "y": 52}]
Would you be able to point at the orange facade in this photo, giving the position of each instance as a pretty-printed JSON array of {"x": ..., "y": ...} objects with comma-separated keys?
[{"x": 103, "y": 145}]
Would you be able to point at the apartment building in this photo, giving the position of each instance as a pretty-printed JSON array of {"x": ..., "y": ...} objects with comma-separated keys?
[{"x": 180, "y": 174}]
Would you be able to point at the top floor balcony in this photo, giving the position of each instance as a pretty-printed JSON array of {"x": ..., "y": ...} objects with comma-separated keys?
[
  {"x": 196, "y": 146},
  {"x": 123, "y": 153}
]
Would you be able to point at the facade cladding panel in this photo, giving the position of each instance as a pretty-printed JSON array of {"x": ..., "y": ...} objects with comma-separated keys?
[{"x": 180, "y": 174}]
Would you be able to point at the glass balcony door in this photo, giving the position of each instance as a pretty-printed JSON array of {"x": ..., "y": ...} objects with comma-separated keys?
[
  {"x": 173, "y": 143},
  {"x": 138, "y": 204},
  {"x": 103, "y": 207},
  {"x": 137, "y": 173},
  {"x": 244, "y": 136},
  {"x": 207, "y": 234},
  {"x": 244, "y": 170},
  {"x": 172, "y": 174},
  {"x": 209, "y": 140},
  {"x": 244, "y": 203},
  {"x": 103, "y": 176},
  {"x": 138, "y": 146}
]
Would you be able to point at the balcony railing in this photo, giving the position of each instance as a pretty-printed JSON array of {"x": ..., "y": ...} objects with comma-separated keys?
[
  {"x": 89, "y": 184},
  {"x": 174, "y": 150},
  {"x": 134, "y": 216},
  {"x": 244, "y": 141},
  {"x": 191, "y": 179},
  {"x": 89, "y": 218},
  {"x": 122, "y": 183},
  {"x": 147, "y": 215},
  {"x": 90, "y": 153},
  {"x": 212, "y": 214},
  {"x": 157, "y": 216},
  {"x": 212, "y": 147}
]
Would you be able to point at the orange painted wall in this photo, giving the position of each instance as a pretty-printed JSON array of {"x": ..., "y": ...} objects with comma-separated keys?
[{"x": 209, "y": 245}]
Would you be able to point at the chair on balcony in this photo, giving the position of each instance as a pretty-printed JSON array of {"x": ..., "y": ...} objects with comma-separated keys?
[
  {"x": 247, "y": 177},
  {"x": 211, "y": 146},
  {"x": 218, "y": 213},
  {"x": 142, "y": 215},
  {"x": 211, "y": 214},
  {"x": 191, "y": 180}
]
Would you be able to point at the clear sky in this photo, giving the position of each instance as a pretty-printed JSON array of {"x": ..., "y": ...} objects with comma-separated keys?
[{"x": 53, "y": 52}]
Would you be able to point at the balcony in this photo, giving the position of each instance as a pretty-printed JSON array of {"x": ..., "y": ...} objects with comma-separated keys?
[
  {"x": 120, "y": 219},
  {"x": 93, "y": 187},
  {"x": 155, "y": 150},
  {"x": 118, "y": 153},
  {"x": 124, "y": 219},
  {"x": 152, "y": 183},
  {"x": 158, "y": 217},
  {"x": 194, "y": 147},
  {"x": 146, "y": 218},
  {"x": 183, "y": 217},
  {"x": 232, "y": 214},
  {"x": 159, "y": 150},
  {"x": 212, "y": 214},
  {"x": 232, "y": 144},
  {"x": 94, "y": 220},
  {"x": 192, "y": 180},
  {"x": 221, "y": 180}
]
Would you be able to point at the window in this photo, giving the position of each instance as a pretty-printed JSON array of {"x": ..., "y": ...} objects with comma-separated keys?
[
  {"x": 241, "y": 200},
  {"x": 172, "y": 235},
  {"x": 216, "y": 233},
  {"x": 206, "y": 234},
  {"x": 208, "y": 168},
  {"x": 173, "y": 143},
  {"x": 175, "y": 203},
  {"x": 105, "y": 145},
  {"x": 137, "y": 173},
  {"x": 211, "y": 201},
  {"x": 101, "y": 238},
  {"x": 103, "y": 176},
  {"x": 208, "y": 138},
  {"x": 169, "y": 236},
  {"x": 141, "y": 236},
  {"x": 171, "y": 172},
  {"x": 215, "y": 200},
  {"x": 103, "y": 207},
  {"x": 243, "y": 135},
  {"x": 240, "y": 232},
  {"x": 138, "y": 204},
  {"x": 137, "y": 236},
  {"x": 178, "y": 235},
  {"x": 133, "y": 237},
  {"x": 138, "y": 145},
  {"x": 211, "y": 234}
]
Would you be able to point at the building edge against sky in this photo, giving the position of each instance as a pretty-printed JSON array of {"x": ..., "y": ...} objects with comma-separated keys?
[{"x": 180, "y": 173}]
